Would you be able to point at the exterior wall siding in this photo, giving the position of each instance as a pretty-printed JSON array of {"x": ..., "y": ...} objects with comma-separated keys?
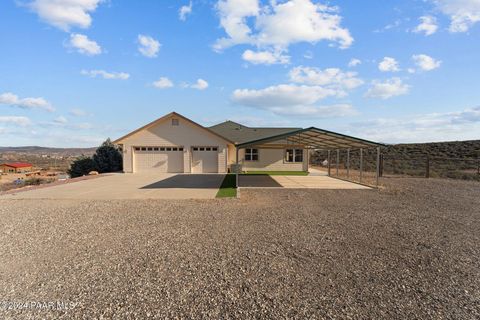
[
  {"x": 184, "y": 135},
  {"x": 272, "y": 160}
]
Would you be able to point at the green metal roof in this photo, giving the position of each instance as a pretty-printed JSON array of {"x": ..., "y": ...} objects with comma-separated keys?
[{"x": 239, "y": 133}]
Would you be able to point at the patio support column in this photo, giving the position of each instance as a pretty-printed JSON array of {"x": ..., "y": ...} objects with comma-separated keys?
[
  {"x": 338, "y": 160},
  {"x": 328, "y": 160},
  {"x": 378, "y": 165},
  {"x": 348, "y": 164},
  {"x": 361, "y": 164},
  {"x": 236, "y": 167}
]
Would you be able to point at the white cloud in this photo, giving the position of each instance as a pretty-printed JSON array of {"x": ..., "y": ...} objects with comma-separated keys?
[
  {"x": 279, "y": 24},
  {"x": 265, "y": 57},
  {"x": 60, "y": 120},
  {"x": 200, "y": 85},
  {"x": 428, "y": 25},
  {"x": 387, "y": 89},
  {"x": 445, "y": 126},
  {"x": 331, "y": 77},
  {"x": 84, "y": 45},
  {"x": 463, "y": 13},
  {"x": 185, "y": 11},
  {"x": 163, "y": 83},
  {"x": 354, "y": 62},
  {"x": 388, "y": 64},
  {"x": 282, "y": 95},
  {"x": 426, "y": 63},
  {"x": 78, "y": 112},
  {"x": 65, "y": 14},
  {"x": 16, "y": 120},
  {"x": 148, "y": 46},
  {"x": 11, "y": 99},
  {"x": 329, "y": 111},
  {"x": 106, "y": 75}
]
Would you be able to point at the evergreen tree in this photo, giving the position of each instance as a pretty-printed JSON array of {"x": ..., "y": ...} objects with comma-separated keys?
[
  {"x": 108, "y": 158},
  {"x": 81, "y": 166}
]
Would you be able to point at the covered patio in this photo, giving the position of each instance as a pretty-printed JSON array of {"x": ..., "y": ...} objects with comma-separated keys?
[{"x": 317, "y": 139}]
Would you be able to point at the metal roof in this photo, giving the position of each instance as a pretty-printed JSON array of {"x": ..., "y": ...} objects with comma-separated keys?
[
  {"x": 316, "y": 138},
  {"x": 239, "y": 133}
]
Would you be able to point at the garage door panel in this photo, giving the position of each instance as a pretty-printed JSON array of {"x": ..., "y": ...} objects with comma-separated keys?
[
  {"x": 204, "y": 159},
  {"x": 158, "y": 161}
]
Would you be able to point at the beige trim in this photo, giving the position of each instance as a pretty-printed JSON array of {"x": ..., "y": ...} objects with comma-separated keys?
[{"x": 119, "y": 140}]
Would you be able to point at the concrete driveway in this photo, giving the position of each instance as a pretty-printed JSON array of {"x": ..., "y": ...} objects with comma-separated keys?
[
  {"x": 296, "y": 182},
  {"x": 131, "y": 186}
]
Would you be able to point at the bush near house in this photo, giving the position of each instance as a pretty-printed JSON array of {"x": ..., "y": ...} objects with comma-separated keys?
[{"x": 107, "y": 158}]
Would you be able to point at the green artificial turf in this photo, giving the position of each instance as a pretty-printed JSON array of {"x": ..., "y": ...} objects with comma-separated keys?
[{"x": 227, "y": 189}]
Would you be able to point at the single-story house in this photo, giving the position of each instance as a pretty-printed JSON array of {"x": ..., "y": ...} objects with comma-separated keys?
[
  {"x": 174, "y": 143},
  {"x": 16, "y": 167}
]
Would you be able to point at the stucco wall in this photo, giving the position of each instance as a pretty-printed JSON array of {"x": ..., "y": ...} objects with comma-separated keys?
[
  {"x": 272, "y": 160},
  {"x": 185, "y": 135}
]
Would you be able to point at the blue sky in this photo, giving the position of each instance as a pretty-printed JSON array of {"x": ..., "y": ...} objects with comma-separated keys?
[{"x": 74, "y": 72}]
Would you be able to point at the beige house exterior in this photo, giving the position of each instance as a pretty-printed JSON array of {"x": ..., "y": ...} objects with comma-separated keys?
[{"x": 177, "y": 144}]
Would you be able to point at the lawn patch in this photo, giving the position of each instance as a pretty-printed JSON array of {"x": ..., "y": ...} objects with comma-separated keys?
[{"x": 227, "y": 189}]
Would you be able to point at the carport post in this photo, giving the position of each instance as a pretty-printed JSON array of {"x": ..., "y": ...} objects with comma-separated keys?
[
  {"x": 338, "y": 159},
  {"x": 328, "y": 160},
  {"x": 361, "y": 164},
  {"x": 348, "y": 163},
  {"x": 236, "y": 167},
  {"x": 378, "y": 165}
]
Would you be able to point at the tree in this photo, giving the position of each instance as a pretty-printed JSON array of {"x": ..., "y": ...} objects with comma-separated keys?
[
  {"x": 108, "y": 158},
  {"x": 81, "y": 166}
]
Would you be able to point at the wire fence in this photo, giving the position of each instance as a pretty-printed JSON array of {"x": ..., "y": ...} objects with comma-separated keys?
[{"x": 360, "y": 166}]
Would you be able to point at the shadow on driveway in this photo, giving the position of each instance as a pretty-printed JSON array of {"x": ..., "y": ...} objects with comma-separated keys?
[
  {"x": 258, "y": 180},
  {"x": 188, "y": 181}
]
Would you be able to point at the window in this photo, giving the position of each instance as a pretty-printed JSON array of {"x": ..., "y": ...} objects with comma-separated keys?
[
  {"x": 195, "y": 149},
  {"x": 150, "y": 149},
  {"x": 251, "y": 154},
  {"x": 155, "y": 149},
  {"x": 144, "y": 149},
  {"x": 175, "y": 122},
  {"x": 294, "y": 155},
  {"x": 202, "y": 149},
  {"x": 137, "y": 149},
  {"x": 169, "y": 149},
  {"x": 214, "y": 149},
  {"x": 174, "y": 149},
  {"x": 162, "y": 149},
  {"x": 208, "y": 149},
  {"x": 180, "y": 149}
]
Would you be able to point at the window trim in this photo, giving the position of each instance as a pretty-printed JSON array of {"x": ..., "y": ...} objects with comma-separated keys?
[
  {"x": 294, "y": 155},
  {"x": 251, "y": 154}
]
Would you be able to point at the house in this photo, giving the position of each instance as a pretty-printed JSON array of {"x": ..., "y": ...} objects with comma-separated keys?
[
  {"x": 16, "y": 167},
  {"x": 174, "y": 143}
]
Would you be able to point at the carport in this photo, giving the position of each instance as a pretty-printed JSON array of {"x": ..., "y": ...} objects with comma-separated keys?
[{"x": 314, "y": 139}]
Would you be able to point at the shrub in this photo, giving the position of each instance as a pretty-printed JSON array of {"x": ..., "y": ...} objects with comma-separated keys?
[
  {"x": 81, "y": 166},
  {"x": 108, "y": 158}
]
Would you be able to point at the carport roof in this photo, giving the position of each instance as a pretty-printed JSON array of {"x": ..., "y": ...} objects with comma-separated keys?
[
  {"x": 315, "y": 138},
  {"x": 240, "y": 134}
]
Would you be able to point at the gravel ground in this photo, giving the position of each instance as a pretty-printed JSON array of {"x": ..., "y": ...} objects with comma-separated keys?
[{"x": 410, "y": 250}]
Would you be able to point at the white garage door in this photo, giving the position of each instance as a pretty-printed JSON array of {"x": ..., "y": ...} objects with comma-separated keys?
[
  {"x": 204, "y": 159},
  {"x": 158, "y": 159}
]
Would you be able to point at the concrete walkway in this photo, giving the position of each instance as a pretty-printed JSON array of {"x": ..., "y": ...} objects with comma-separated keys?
[{"x": 131, "y": 186}]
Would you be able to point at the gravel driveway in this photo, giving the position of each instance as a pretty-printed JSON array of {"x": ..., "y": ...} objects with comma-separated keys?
[{"x": 411, "y": 250}]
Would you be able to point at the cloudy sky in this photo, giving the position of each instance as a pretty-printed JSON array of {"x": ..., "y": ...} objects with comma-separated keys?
[{"x": 74, "y": 72}]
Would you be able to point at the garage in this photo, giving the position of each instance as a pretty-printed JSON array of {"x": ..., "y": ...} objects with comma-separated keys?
[
  {"x": 204, "y": 159},
  {"x": 158, "y": 159}
]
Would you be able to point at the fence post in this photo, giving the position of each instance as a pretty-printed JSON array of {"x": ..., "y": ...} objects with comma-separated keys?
[
  {"x": 338, "y": 159},
  {"x": 361, "y": 164},
  {"x": 478, "y": 167},
  {"x": 348, "y": 164},
  {"x": 328, "y": 160},
  {"x": 427, "y": 167},
  {"x": 381, "y": 164},
  {"x": 378, "y": 165}
]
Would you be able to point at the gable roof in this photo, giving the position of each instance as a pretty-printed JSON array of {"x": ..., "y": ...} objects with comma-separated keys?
[
  {"x": 18, "y": 165},
  {"x": 238, "y": 133},
  {"x": 119, "y": 140}
]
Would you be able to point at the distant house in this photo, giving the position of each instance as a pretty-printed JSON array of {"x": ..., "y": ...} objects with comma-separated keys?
[
  {"x": 16, "y": 167},
  {"x": 175, "y": 143}
]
